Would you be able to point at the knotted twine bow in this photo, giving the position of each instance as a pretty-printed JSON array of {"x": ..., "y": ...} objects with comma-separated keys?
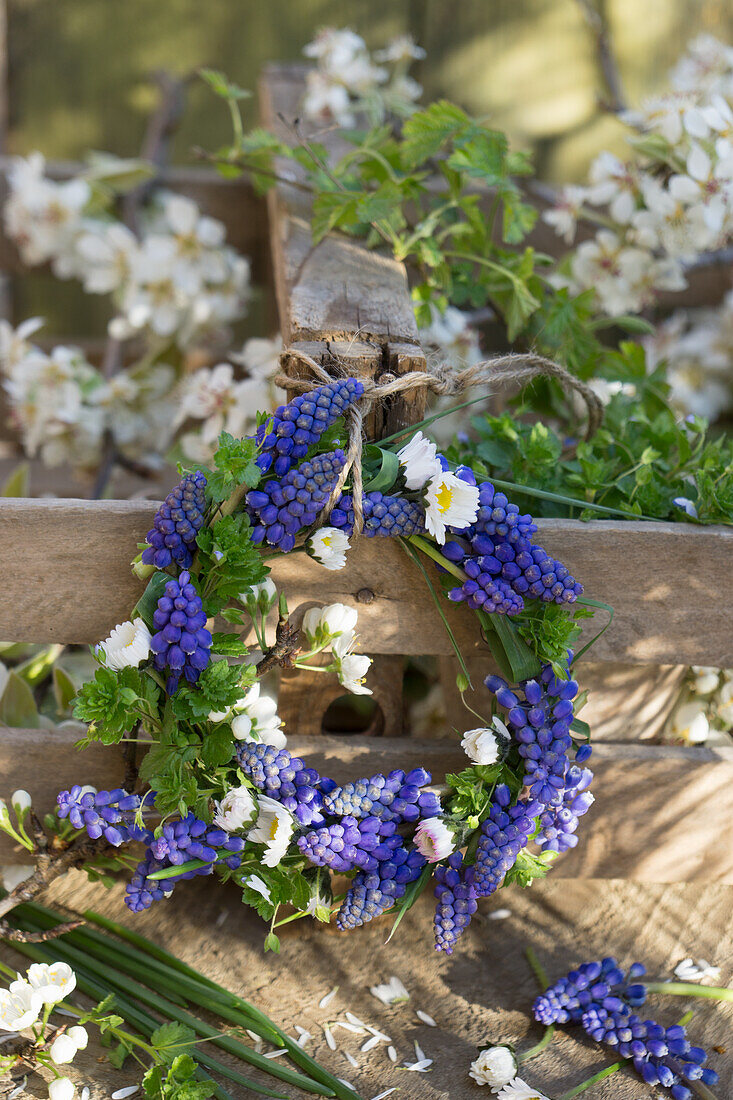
[{"x": 443, "y": 380}]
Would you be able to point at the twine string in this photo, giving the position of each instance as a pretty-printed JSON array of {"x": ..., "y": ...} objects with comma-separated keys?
[{"x": 443, "y": 380}]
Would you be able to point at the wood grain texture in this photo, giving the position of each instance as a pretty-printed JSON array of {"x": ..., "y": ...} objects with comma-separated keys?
[
  {"x": 67, "y": 578},
  {"x": 662, "y": 813}
]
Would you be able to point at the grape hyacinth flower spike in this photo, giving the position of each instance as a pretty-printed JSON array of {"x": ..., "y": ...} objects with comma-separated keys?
[
  {"x": 110, "y": 814},
  {"x": 285, "y": 437},
  {"x": 280, "y": 509},
  {"x": 600, "y": 997},
  {"x": 182, "y": 643},
  {"x": 172, "y": 538}
]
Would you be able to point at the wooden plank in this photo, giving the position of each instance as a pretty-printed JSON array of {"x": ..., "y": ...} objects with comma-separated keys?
[
  {"x": 67, "y": 579},
  {"x": 337, "y": 288},
  {"x": 482, "y": 993},
  {"x": 662, "y": 812},
  {"x": 231, "y": 201}
]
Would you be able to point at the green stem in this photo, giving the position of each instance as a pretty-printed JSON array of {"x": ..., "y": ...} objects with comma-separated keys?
[
  {"x": 161, "y": 965},
  {"x": 537, "y": 968},
  {"x": 600, "y": 1076},
  {"x": 76, "y": 957},
  {"x": 538, "y": 1047},
  {"x": 432, "y": 552},
  {"x": 691, "y": 989}
]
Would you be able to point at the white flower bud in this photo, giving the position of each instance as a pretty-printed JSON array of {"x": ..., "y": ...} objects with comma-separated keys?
[
  {"x": 61, "y": 1089},
  {"x": 62, "y": 1050},
  {"x": 494, "y": 1067},
  {"x": 21, "y": 801},
  {"x": 79, "y": 1035}
]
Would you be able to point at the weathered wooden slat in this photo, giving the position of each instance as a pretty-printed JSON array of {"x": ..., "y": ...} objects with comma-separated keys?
[
  {"x": 337, "y": 288},
  {"x": 662, "y": 813},
  {"x": 67, "y": 578}
]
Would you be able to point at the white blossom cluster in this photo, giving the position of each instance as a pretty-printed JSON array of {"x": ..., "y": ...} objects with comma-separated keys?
[
  {"x": 27, "y": 1003},
  {"x": 63, "y": 406},
  {"x": 349, "y": 80},
  {"x": 697, "y": 349},
  {"x": 175, "y": 282},
  {"x": 216, "y": 400},
  {"x": 670, "y": 202}
]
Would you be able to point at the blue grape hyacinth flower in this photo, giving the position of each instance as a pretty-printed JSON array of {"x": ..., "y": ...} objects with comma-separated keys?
[
  {"x": 172, "y": 538},
  {"x": 182, "y": 643}
]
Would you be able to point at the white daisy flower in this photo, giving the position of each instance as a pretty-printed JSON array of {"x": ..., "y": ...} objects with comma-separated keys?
[
  {"x": 434, "y": 839},
  {"x": 690, "y": 722},
  {"x": 520, "y": 1090},
  {"x": 495, "y": 1067},
  {"x": 328, "y": 545},
  {"x": 419, "y": 459},
  {"x": 481, "y": 745},
  {"x": 236, "y": 809},
  {"x": 127, "y": 646},
  {"x": 449, "y": 502},
  {"x": 274, "y": 828}
]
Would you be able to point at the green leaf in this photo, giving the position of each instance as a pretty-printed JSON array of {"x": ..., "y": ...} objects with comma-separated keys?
[
  {"x": 386, "y": 475},
  {"x": 17, "y": 704},
  {"x": 218, "y": 746},
  {"x": 222, "y": 86},
  {"x": 148, "y": 602},
  {"x": 235, "y": 466},
  {"x": 219, "y": 686},
  {"x": 18, "y": 483},
  {"x": 114, "y": 702},
  {"x": 331, "y": 210},
  {"x": 426, "y": 132},
  {"x": 169, "y": 1038},
  {"x": 526, "y": 869},
  {"x": 482, "y": 157},
  {"x": 228, "y": 645}
]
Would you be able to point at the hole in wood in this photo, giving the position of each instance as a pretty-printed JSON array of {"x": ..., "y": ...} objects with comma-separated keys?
[{"x": 354, "y": 714}]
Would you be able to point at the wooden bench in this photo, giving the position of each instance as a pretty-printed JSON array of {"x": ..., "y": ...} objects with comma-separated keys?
[{"x": 662, "y": 813}]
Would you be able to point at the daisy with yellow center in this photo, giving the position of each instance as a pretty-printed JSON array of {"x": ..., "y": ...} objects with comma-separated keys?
[
  {"x": 274, "y": 828},
  {"x": 449, "y": 502},
  {"x": 328, "y": 546},
  {"x": 127, "y": 646}
]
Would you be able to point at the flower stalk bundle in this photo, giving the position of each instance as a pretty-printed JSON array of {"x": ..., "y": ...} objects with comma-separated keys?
[{"x": 146, "y": 985}]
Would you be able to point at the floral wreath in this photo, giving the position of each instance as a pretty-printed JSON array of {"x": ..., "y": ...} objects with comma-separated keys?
[{"x": 221, "y": 792}]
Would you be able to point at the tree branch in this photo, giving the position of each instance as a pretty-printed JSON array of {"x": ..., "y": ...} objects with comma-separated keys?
[
  {"x": 16, "y": 935},
  {"x": 282, "y": 653},
  {"x": 595, "y": 18},
  {"x": 51, "y": 868}
]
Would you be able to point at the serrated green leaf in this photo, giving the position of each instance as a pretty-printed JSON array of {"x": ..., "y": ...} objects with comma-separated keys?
[{"x": 426, "y": 132}]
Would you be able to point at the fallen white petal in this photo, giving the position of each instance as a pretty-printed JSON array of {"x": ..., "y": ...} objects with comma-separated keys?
[
  {"x": 379, "y": 1034},
  {"x": 500, "y": 914},
  {"x": 345, "y": 1082},
  {"x": 253, "y": 1035},
  {"x": 324, "y": 1001},
  {"x": 370, "y": 1043},
  {"x": 354, "y": 1020},
  {"x": 419, "y": 1052},
  {"x": 425, "y": 1018},
  {"x": 419, "y": 1067},
  {"x": 122, "y": 1094},
  {"x": 349, "y": 1027},
  {"x": 392, "y": 1054},
  {"x": 17, "y": 1090},
  {"x": 221, "y": 918},
  {"x": 387, "y": 1092},
  {"x": 85, "y": 1093},
  {"x": 276, "y": 1053},
  {"x": 351, "y": 1059},
  {"x": 66, "y": 1012},
  {"x": 329, "y": 1037}
]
